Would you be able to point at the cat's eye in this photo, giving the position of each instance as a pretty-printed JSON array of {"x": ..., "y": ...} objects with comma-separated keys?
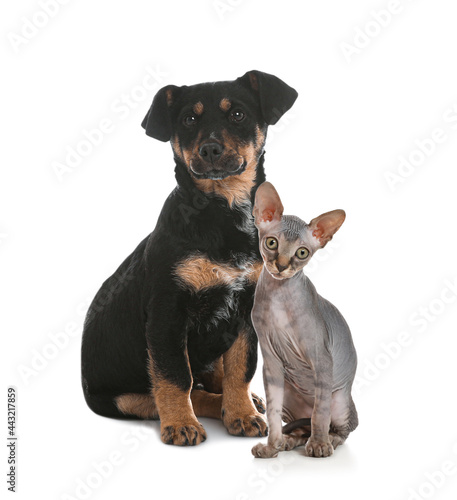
[
  {"x": 271, "y": 243},
  {"x": 302, "y": 253}
]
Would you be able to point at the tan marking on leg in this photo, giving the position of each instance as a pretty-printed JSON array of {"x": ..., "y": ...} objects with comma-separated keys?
[
  {"x": 198, "y": 108},
  {"x": 225, "y": 104},
  {"x": 212, "y": 381},
  {"x": 178, "y": 423},
  {"x": 206, "y": 404},
  {"x": 240, "y": 416},
  {"x": 140, "y": 405},
  {"x": 236, "y": 391},
  {"x": 173, "y": 403},
  {"x": 198, "y": 272}
]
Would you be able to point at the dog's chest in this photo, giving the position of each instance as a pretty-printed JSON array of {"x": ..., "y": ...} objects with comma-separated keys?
[
  {"x": 230, "y": 264},
  {"x": 215, "y": 287},
  {"x": 218, "y": 303}
]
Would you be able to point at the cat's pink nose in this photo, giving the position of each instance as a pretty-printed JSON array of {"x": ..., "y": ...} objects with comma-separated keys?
[{"x": 281, "y": 268}]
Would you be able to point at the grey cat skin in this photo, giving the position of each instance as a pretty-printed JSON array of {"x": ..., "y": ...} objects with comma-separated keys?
[{"x": 309, "y": 357}]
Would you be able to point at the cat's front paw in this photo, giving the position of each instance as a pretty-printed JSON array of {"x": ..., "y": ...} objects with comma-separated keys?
[
  {"x": 264, "y": 451},
  {"x": 318, "y": 449},
  {"x": 270, "y": 449}
]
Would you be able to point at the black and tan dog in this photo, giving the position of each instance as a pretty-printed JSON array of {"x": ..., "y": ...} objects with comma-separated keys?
[{"x": 169, "y": 335}]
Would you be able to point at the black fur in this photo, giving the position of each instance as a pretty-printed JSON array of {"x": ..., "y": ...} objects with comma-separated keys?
[{"x": 143, "y": 306}]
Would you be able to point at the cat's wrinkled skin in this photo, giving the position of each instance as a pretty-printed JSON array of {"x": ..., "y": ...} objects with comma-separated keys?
[{"x": 309, "y": 357}]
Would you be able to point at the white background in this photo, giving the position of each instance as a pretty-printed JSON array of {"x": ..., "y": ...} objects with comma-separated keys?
[{"x": 391, "y": 265}]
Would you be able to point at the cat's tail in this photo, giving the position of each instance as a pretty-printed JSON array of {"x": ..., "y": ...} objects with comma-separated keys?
[{"x": 296, "y": 424}]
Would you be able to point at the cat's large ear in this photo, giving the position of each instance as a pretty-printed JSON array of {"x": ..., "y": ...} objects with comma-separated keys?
[
  {"x": 275, "y": 96},
  {"x": 157, "y": 121},
  {"x": 267, "y": 206},
  {"x": 323, "y": 228}
]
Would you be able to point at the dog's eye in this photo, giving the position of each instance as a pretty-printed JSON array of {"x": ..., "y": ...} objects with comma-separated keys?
[
  {"x": 189, "y": 120},
  {"x": 302, "y": 253},
  {"x": 271, "y": 243},
  {"x": 237, "y": 116}
]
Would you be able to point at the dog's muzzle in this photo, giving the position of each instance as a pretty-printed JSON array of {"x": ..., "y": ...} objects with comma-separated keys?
[{"x": 213, "y": 162}]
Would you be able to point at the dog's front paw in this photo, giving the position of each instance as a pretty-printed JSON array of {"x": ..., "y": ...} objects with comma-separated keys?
[
  {"x": 183, "y": 434},
  {"x": 246, "y": 425},
  {"x": 259, "y": 403},
  {"x": 318, "y": 449},
  {"x": 264, "y": 451}
]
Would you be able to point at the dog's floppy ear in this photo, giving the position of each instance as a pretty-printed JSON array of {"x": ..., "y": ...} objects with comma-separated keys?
[
  {"x": 157, "y": 122},
  {"x": 275, "y": 96}
]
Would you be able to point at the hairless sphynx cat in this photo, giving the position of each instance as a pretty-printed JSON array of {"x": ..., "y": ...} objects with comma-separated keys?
[{"x": 309, "y": 357}]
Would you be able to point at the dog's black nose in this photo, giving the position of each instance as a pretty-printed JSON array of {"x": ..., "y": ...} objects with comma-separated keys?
[
  {"x": 280, "y": 268},
  {"x": 211, "y": 151}
]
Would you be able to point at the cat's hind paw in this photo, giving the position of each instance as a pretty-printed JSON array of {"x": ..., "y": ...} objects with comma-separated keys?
[
  {"x": 292, "y": 442},
  {"x": 336, "y": 439}
]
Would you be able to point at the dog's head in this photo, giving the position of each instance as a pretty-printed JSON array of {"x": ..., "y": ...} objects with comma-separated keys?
[{"x": 218, "y": 129}]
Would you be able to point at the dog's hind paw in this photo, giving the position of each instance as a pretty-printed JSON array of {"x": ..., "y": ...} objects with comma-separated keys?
[{"x": 259, "y": 403}]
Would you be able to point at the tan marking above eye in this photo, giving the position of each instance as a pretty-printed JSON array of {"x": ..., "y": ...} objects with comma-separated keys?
[
  {"x": 198, "y": 108},
  {"x": 198, "y": 272},
  {"x": 225, "y": 104}
]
